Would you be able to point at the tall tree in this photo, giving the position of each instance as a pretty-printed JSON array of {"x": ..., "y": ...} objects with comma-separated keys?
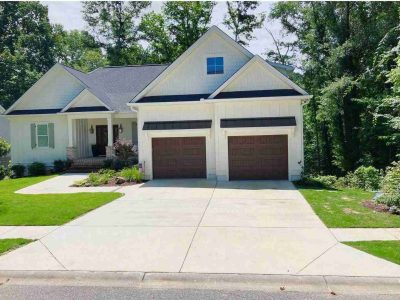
[
  {"x": 77, "y": 49},
  {"x": 176, "y": 28},
  {"x": 242, "y": 20},
  {"x": 26, "y": 47},
  {"x": 338, "y": 43},
  {"x": 115, "y": 25}
]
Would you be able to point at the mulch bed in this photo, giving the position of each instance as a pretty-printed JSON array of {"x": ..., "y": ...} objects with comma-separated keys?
[{"x": 379, "y": 207}]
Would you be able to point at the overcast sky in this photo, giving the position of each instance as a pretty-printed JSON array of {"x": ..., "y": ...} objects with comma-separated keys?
[{"x": 68, "y": 13}]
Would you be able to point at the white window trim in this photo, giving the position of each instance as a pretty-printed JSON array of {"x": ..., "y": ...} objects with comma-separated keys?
[{"x": 37, "y": 135}]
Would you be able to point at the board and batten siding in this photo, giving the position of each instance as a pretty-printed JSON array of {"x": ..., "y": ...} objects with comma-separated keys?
[
  {"x": 190, "y": 77},
  {"x": 21, "y": 150},
  {"x": 216, "y": 137}
]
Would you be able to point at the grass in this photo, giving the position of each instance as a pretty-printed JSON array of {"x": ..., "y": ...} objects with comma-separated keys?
[
  {"x": 48, "y": 209},
  {"x": 389, "y": 250},
  {"x": 344, "y": 209},
  {"x": 11, "y": 244}
]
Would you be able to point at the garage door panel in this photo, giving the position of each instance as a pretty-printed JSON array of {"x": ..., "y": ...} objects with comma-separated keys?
[
  {"x": 258, "y": 157},
  {"x": 183, "y": 157}
]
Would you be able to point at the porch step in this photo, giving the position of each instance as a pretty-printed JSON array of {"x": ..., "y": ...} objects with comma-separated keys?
[{"x": 83, "y": 165}]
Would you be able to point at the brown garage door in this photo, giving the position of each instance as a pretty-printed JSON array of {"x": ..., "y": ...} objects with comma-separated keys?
[
  {"x": 258, "y": 157},
  {"x": 183, "y": 157}
]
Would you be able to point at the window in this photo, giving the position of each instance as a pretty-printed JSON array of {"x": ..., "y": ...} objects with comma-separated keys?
[
  {"x": 215, "y": 65},
  {"x": 42, "y": 133}
]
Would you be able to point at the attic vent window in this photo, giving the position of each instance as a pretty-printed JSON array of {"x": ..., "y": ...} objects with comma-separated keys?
[{"x": 215, "y": 65}]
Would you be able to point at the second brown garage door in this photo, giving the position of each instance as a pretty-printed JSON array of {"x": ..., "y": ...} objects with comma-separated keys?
[
  {"x": 179, "y": 157},
  {"x": 258, "y": 157}
]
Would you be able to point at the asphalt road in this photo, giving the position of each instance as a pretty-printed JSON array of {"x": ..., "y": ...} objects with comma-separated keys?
[{"x": 17, "y": 292}]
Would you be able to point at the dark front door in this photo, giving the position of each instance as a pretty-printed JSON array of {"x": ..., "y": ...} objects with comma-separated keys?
[
  {"x": 102, "y": 137},
  {"x": 258, "y": 157},
  {"x": 179, "y": 157}
]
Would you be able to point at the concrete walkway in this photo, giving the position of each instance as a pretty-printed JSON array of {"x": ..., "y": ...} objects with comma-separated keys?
[
  {"x": 366, "y": 234},
  {"x": 199, "y": 226}
]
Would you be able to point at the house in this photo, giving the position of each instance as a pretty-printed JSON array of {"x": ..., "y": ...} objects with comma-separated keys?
[{"x": 218, "y": 111}]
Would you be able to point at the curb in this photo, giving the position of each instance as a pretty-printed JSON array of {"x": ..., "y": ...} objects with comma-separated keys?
[{"x": 270, "y": 283}]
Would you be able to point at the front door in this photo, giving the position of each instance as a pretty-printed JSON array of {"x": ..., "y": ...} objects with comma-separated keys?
[{"x": 102, "y": 137}]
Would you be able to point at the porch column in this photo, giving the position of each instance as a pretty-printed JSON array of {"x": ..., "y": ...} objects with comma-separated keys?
[
  {"x": 109, "y": 148},
  {"x": 71, "y": 150}
]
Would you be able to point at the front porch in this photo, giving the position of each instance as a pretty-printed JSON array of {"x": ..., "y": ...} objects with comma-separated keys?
[{"x": 91, "y": 136}]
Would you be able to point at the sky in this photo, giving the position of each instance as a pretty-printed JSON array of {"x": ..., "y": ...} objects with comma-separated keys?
[{"x": 68, "y": 13}]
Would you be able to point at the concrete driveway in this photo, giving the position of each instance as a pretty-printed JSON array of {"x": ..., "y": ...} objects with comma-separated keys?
[{"x": 258, "y": 227}]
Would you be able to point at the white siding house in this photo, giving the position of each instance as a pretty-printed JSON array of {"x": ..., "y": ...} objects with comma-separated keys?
[{"x": 218, "y": 111}]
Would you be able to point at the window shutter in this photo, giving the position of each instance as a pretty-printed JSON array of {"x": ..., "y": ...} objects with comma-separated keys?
[
  {"x": 33, "y": 136},
  {"x": 51, "y": 135}
]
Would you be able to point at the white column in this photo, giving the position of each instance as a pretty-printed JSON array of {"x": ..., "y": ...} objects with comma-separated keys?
[
  {"x": 70, "y": 133},
  {"x": 110, "y": 130}
]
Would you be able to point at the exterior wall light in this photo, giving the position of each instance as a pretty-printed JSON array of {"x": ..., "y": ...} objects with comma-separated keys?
[
  {"x": 91, "y": 130},
  {"x": 120, "y": 129}
]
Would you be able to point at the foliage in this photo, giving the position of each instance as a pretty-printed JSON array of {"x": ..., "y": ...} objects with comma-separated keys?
[
  {"x": 17, "y": 171},
  {"x": 114, "y": 24},
  {"x": 348, "y": 52},
  {"x": 132, "y": 174},
  {"x": 37, "y": 169},
  {"x": 4, "y": 172},
  {"x": 389, "y": 250},
  {"x": 176, "y": 28},
  {"x": 60, "y": 165},
  {"x": 391, "y": 186},
  {"x": 124, "y": 149},
  {"x": 242, "y": 21},
  {"x": 108, "y": 163},
  {"x": 7, "y": 245},
  {"x": 35, "y": 210},
  {"x": 365, "y": 178},
  {"x": 318, "y": 181},
  {"x": 26, "y": 47},
  {"x": 100, "y": 178},
  {"x": 4, "y": 147},
  {"x": 77, "y": 49}
]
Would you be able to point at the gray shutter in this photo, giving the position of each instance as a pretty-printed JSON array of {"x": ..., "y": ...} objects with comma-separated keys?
[
  {"x": 33, "y": 136},
  {"x": 51, "y": 135}
]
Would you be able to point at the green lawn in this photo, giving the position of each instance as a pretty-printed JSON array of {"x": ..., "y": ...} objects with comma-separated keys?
[
  {"x": 11, "y": 244},
  {"x": 389, "y": 250},
  {"x": 50, "y": 209},
  {"x": 343, "y": 208}
]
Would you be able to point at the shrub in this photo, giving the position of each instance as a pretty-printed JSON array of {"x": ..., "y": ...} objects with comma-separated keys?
[
  {"x": 4, "y": 147},
  {"x": 60, "y": 165},
  {"x": 124, "y": 149},
  {"x": 101, "y": 177},
  {"x": 318, "y": 181},
  {"x": 17, "y": 171},
  {"x": 391, "y": 186},
  {"x": 367, "y": 178},
  {"x": 108, "y": 163},
  {"x": 4, "y": 172},
  {"x": 37, "y": 169},
  {"x": 132, "y": 174}
]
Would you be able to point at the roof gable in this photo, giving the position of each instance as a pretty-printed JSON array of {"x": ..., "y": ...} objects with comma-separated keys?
[
  {"x": 187, "y": 74},
  {"x": 54, "y": 90},
  {"x": 85, "y": 99},
  {"x": 258, "y": 75}
]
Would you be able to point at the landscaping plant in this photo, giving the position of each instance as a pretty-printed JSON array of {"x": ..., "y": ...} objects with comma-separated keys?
[
  {"x": 37, "y": 169},
  {"x": 391, "y": 187},
  {"x": 132, "y": 174},
  {"x": 60, "y": 165},
  {"x": 4, "y": 172},
  {"x": 4, "y": 147},
  {"x": 124, "y": 149},
  {"x": 17, "y": 171}
]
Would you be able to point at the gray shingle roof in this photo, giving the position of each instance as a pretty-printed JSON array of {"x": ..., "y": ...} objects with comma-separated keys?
[{"x": 116, "y": 86}]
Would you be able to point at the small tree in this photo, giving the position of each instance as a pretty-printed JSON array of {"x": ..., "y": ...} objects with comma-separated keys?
[
  {"x": 124, "y": 149},
  {"x": 4, "y": 147}
]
